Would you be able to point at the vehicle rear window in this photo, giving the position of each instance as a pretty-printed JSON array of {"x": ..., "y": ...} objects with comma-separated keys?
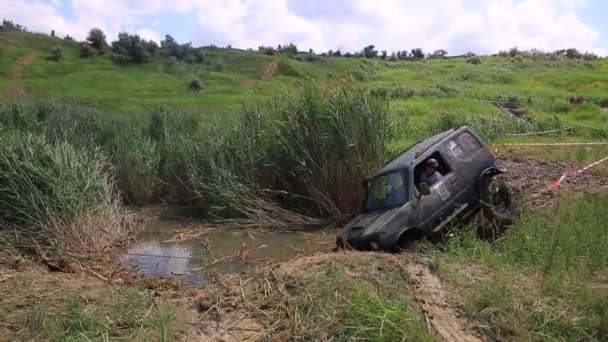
[{"x": 462, "y": 146}]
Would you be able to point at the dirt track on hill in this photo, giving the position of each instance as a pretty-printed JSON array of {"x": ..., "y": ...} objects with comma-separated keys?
[
  {"x": 269, "y": 68},
  {"x": 15, "y": 86}
]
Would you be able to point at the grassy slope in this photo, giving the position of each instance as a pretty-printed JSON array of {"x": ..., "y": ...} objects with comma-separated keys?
[{"x": 241, "y": 77}]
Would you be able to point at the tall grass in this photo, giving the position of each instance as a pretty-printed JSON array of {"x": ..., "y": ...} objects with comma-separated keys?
[
  {"x": 303, "y": 154},
  {"x": 56, "y": 196}
]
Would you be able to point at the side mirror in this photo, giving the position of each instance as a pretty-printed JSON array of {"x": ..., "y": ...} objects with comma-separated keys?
[
  {"x": 424, "y": 189},
  {"x": 365, "y": 183}
]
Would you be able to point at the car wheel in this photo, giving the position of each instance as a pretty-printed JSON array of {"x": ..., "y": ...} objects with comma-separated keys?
[
  {"x": 497, "y": 208},
  {"x": 410, "y": 242}
]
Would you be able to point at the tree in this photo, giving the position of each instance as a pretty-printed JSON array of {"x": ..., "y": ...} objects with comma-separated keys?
[
  {"x": 290, "y": 49},
  {"x": 97, "y": 38},
  {"x": 417, "y": 53},
  {"x": 393, "y": 57},
  {"x": 383, "y": 54},
  {"x": 9, "y": 25},
  {"x": 441, "y": 53},
  {"x": 573, "y": 53},
  {"x": 370, "y": 51},
  {"x": 269, "y": 50},
  {"x": 69, "y": 38},
  {"x": 182, "y": 52},
  {"x": 129, "y": 49}
]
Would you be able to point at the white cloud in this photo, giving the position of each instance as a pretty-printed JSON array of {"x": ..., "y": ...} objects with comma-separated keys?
[
  {"x": 36, "y": 16},
  {"x": 456, "y": 25},
  {"x": 149, "y": 35}
]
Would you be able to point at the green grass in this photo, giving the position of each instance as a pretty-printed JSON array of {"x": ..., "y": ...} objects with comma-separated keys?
[
  {"x": 544, "y": 279},
  {"x": 130, "y": 88},
  {"x": 127, "y": 314},
  {"x": 358, "y": 300}
]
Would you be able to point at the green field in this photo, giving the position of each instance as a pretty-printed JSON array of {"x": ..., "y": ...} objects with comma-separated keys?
[{"x": 230, "y": 76}]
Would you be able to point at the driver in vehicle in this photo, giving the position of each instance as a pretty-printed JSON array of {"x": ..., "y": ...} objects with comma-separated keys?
[{"x": 430, "y": 175}]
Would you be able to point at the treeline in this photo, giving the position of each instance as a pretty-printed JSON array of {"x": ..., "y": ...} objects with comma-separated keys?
[
  {"x": 131, "y": 48},
  {"x": 370, "y": 52}
]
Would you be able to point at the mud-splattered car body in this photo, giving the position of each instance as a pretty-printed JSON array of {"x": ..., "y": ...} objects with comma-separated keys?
[{"x": 398, "y": 210}]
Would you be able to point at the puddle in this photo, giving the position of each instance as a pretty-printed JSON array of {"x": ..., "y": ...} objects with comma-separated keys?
[{"x": 190, "y": 252}]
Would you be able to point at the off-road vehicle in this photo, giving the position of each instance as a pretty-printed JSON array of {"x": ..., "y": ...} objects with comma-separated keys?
[{"x": 400, "y": 207}]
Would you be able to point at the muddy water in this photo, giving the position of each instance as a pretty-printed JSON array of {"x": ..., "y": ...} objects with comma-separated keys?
[{"x": 192, "y": 252}]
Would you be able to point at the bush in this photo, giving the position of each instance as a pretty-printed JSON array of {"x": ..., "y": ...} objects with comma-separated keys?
[
  {"x": 218, "y": 65},
  {"x": 55, "y": 195},
  {"x": 195, "y": 85},
  {"x": 55, "y": 54},
  {"x": 86, "y": 51},
  {"x": 68, "y": 38},
  {"x": 97, "y": 39},
  {"x": 474, "y": 60},
  {"x": 603, "y": 102},
  {"x": 130, "y": 49}
]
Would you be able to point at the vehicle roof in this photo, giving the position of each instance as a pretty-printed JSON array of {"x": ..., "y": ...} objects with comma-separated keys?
[{"x": 411, "y": 154}]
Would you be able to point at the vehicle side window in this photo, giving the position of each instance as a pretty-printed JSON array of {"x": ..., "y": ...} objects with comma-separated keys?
[
  {"x": 464, "y": 146},
  {"x": 423, "y": 174}
]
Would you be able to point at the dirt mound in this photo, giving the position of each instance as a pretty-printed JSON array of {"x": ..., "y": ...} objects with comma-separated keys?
[
  {"x": 530, "y": 180},
  {"x": 425, "y": 287}
]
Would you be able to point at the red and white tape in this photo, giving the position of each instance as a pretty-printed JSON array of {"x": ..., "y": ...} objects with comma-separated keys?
[
  {"x": 559, "y": 181},
  {"x": 555, "y": 144},
  {"x": 537, "y": 133}
]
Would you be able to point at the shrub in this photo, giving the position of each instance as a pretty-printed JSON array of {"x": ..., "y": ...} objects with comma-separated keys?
[
  {"x": 603, "y": 102},
  {"x": 68, "y": 38},
  {"x": 218, "y": 65},
  {"x": 86, "y": 51},
  {"x": 55, "y": 54},
  {"x": 195, "y": 85},
  {"x": 474, "y": 60},
  {"x": 97, "y": 38}
]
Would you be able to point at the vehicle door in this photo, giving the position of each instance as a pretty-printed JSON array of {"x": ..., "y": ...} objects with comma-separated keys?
[{"x": 437, "y": 206}]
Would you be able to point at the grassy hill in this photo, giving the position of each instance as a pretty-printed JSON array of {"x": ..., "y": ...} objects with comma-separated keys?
[{"x": 229, "y": 76}]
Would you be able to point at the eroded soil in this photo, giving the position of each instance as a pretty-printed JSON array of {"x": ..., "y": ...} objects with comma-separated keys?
[{"x": 531, "y": 180}]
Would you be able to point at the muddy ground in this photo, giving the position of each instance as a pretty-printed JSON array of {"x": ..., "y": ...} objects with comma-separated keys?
[
  {"x": 233, "y": 307},
  {"x": 530, "y": 180}
]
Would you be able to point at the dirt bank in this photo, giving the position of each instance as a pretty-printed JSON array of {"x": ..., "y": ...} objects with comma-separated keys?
[{"x": 531, "y": 179}]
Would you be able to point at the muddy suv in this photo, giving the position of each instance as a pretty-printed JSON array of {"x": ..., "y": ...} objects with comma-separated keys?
[{"x": 432, "y": 187}]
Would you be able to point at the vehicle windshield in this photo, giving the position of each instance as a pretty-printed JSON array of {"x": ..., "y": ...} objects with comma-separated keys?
[{"x": 387, "y": 191}]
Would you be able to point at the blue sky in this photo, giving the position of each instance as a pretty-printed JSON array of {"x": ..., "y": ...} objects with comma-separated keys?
[{"x": 482, "y": 26}]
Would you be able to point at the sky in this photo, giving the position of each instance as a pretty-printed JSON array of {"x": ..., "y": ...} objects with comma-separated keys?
[{"x": 459, "y": 26}]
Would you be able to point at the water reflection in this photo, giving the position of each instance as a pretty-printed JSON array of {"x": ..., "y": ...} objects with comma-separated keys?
[{"x": 223, "y": 250}]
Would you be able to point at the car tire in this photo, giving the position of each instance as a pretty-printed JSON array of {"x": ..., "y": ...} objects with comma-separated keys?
[{"x": 498, "y": 208}]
